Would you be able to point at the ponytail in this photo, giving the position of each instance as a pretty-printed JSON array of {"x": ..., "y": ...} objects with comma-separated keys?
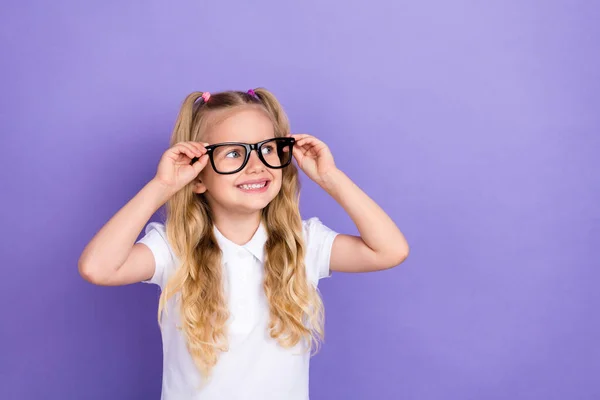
[
  {"x": 185, "y": 120},
  {"x": 274, "y": 108}
]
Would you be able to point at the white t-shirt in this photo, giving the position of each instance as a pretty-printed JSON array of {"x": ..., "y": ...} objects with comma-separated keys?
[{"x": 256, "y": 367}]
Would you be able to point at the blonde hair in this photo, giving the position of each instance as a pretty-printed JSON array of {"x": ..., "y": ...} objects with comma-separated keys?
[{"x": 296, "y": 308}]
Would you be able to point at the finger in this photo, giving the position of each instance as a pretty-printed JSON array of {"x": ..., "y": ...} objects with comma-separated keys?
[
  {"x": 304, "y": 141},
  {"x": 313, "y": 142},
  {"x": 299, "y": 146},
  {"x": 311, "y": 145},
  {"x": 309, "y": 138},
  {"x": 199, "y": 147},
  {"x": 182, "y": 149},
  {"x": 188, "y": 146},
  {"x": 305, "y": 137},
  {"x": 193, "y": 148},
  {"x": 197, "y": 150},
  {"x": 301, "y": 150},
  {"x": 200, "y": 164},
  {"x": 298, "y": 155},
  {"x": 298, "y": 136}
]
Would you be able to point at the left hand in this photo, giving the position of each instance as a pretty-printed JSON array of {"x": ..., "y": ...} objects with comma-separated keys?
[{"x": 313, "y": 157}]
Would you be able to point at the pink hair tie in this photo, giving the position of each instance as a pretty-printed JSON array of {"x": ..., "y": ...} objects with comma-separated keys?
[
  {"x": 251, "y": 93},
  {"x": 206, "y": 96}
]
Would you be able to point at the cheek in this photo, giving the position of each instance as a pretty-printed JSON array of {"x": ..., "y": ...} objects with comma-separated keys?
[
  {"x": 277, "y": 180},
  {"x": 213, "y": 181}
]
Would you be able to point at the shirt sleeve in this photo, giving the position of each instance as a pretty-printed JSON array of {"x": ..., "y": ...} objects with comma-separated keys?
[
  {"x": 319, "y": 241},
  {"x": 155, "y": 237}
]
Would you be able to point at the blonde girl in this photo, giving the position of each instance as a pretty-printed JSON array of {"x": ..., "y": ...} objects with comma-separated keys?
[{"x": 238, "y": 268}]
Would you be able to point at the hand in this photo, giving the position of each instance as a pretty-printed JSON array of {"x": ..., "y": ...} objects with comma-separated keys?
[
  {"x": 175, "y": 169},
  {"x": 313, "y": 157}
]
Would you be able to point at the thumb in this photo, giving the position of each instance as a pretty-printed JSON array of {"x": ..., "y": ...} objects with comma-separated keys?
[
  {"x": 200, "y": 164},
  {"x": 298, "y": 155}
]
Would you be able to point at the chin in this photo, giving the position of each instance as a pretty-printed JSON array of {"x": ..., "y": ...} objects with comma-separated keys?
[
  {"x": 251, "y": 207},
  {"x": 257, "y": 205}
]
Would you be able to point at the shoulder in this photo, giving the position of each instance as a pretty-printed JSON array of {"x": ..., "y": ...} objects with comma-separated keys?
[
  {"x": 318, "y": 239},
  {"x": 155, "y": 237},
  {"x": 313, "y": 228},
  {"x": 159, "y": 227}
]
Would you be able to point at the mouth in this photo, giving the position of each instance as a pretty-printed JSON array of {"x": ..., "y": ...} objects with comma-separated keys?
[{"x": 256, "y": 187}]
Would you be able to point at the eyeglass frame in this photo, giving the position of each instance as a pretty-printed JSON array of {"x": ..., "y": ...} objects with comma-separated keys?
[{"x": 288, "y": 141}]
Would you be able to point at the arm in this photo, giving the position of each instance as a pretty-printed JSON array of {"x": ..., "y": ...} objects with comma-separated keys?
[
  {"x": 111, "y": 257},
  {"x": 381, "y": 244}
]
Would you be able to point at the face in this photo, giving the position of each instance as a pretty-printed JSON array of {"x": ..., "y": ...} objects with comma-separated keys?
[{"x": 251, "y": 189}]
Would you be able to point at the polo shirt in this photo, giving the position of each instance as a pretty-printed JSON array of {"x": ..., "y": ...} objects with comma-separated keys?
[{"x": 255, "y": 367}]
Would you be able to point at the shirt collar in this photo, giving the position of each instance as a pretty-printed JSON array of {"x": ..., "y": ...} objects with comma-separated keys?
[{"x": 256, "y": 245}]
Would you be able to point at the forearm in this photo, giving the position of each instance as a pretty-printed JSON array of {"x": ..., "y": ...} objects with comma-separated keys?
[
  {"x": 111, "y": 245},
  {"x": 376, "y": 228}
]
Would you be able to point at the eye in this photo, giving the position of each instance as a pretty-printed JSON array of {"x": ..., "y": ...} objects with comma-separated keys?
[
  {"x": 233, "y": 154},
  {"x": 267, "y": 149}
]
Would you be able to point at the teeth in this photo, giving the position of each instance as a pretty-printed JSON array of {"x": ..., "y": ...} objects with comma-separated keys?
[{"x": 253, "y": 186}]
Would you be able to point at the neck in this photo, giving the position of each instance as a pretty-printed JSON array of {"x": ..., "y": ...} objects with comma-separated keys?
[{"x": 239, "y": 228}]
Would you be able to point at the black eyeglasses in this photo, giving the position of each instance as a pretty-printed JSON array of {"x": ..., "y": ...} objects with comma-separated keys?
[{"x": 232, "y": 157}]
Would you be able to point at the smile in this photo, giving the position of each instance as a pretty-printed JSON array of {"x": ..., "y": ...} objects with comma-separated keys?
[{"x": 254, "y": 187}]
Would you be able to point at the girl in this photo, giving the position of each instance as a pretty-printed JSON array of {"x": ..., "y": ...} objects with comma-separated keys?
[{"x": 238, "y": 268}]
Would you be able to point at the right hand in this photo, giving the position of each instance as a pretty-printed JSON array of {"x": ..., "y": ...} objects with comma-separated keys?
[{"x": 174, "y": 169}]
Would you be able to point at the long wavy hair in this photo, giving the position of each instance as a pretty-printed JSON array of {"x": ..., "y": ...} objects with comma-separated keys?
[{"x": 295, "y": 305}]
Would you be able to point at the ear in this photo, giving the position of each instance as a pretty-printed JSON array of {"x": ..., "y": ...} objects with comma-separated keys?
[{"x": 199, "y": 186}]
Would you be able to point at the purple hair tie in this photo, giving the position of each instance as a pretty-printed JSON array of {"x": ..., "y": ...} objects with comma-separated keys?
[{"x": 251, "y": 93}]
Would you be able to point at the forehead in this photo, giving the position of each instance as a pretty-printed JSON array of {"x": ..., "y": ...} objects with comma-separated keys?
[{"x": 248, "y": 125}]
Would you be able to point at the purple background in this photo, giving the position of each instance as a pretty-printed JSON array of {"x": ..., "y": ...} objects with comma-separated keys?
[{"x": 474, "y": 124}]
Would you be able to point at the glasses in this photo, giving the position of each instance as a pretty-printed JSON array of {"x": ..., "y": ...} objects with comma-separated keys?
[{"x": 232, "y": 157}]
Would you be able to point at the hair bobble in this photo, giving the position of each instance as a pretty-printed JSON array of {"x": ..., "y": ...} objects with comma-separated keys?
[
  {"x": 206, "y": 96},
  {"x": 251, "y": 93}
]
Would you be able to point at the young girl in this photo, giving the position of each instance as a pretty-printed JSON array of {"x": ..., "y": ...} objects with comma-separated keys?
[{"x": 238, "y": 268}]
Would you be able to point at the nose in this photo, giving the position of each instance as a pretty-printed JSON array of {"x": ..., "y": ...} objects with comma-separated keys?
[{"x": 255, "y": 165}]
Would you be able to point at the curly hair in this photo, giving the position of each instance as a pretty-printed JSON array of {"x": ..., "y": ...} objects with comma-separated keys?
[{"x": 295, "y": 305}]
